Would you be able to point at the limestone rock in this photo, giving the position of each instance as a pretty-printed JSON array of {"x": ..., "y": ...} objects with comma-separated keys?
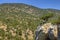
[{"x": 46, "y": 31}]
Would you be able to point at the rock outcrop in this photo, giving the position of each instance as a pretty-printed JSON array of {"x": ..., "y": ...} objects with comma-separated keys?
[{"x": 46, "y": 31}]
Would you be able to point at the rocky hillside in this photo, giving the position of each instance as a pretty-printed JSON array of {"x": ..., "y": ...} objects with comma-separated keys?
[{"x": 18, "y": 21}]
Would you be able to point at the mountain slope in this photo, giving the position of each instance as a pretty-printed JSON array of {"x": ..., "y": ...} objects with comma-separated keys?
[{"x": 18, "y": 21}]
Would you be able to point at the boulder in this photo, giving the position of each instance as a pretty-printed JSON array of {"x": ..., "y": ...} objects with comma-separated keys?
[{"x": 46, "y": 31}]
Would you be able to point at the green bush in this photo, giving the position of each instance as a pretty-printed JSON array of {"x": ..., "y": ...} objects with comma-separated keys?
[
  {"x": 46, "y": 16},
  {"x": 55, "y": 20}
]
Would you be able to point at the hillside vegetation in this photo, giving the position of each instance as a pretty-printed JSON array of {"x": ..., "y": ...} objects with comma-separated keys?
[{"x": 18, "y": 21}]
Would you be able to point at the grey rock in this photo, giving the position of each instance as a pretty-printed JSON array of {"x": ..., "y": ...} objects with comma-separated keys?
[{"x": 50, "y": 35}]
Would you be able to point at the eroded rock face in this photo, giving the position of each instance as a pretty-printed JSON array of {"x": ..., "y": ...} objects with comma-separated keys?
[
  {"x": 58, "y": 32},
  {"x": 46, "y": 31}
]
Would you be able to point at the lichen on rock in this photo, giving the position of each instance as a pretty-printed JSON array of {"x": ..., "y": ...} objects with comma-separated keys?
[{"x": 46, "y": 31}]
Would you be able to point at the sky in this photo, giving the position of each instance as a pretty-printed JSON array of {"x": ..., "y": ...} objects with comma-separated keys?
[{"x": 55, "y": 4}]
